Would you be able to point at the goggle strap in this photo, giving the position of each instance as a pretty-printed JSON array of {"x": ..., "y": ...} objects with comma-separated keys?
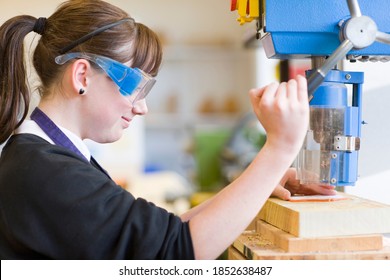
[{"x": 92, "y": 34}]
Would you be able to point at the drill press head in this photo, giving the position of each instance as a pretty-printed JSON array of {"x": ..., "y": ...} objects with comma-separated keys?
[
  {"x": 330, "y": 30},
  {"x": 329, "y": 154}
]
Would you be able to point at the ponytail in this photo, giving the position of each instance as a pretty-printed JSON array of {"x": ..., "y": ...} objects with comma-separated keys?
[{"x": 14, "y": 89}]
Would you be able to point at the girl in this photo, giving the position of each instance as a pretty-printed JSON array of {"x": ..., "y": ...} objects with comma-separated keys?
[{"x": 96, "y": 65}]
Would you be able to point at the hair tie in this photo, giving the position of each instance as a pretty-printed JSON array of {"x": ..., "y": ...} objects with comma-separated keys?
[{"x": 39, "y": 26}]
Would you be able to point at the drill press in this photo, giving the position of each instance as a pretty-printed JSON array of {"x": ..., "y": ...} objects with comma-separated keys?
[{"x": 325, "y": 32}]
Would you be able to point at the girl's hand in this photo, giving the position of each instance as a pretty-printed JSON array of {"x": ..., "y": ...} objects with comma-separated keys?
[
  {"x": 289, "y": 186},
  {"x": 283, "y": 110}
]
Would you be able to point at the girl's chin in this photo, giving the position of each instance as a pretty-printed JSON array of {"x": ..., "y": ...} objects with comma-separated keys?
[{"x": 106, "y": 139}]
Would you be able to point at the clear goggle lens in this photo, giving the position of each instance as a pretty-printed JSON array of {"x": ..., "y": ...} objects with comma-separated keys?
[{"x": 132, "y": 82}]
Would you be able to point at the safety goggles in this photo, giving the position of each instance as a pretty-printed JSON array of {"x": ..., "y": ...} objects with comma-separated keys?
[{"x": 131, "y": 81}]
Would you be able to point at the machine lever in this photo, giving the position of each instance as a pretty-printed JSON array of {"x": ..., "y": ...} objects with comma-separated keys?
[
  {"x": 383, "y": 37},
  {"x": 318, "y": 76},
  {"x": 354, "y": 8}
]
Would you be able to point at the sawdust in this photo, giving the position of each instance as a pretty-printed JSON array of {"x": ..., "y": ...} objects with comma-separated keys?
[{"x": 256, "y": 239}]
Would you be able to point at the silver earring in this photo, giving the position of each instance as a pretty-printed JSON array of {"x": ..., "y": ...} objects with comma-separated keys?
[{"x": 81, "y": 91}]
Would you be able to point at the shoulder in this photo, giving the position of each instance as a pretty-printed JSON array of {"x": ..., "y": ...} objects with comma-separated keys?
[
  {"x": 40, "y": 164},
  {"x": 32, "y": 146}
]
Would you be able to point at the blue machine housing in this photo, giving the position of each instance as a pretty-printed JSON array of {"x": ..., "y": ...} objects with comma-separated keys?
[
  {"x": 306, "y": 28},
  {"x": 332, "y": 94},
  {"x": 294, "y": 29}
]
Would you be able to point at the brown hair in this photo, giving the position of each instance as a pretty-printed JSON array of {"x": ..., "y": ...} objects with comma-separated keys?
[{"x": 129, "y": 41}]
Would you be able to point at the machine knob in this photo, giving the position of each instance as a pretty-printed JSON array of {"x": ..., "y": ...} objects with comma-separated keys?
[{"x": 361, "y": 31}]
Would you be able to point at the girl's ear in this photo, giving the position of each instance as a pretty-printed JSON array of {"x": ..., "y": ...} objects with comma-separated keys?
[{"x": 80, "y": 69}]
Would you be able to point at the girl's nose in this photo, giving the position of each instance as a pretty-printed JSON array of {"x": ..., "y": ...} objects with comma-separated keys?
[{"x": 140, "y": 107}]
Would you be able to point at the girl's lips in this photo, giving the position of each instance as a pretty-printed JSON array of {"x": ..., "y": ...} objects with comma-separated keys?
[
  {"x": 126, "y": 123},
  {"x": 126, "y": 119}
]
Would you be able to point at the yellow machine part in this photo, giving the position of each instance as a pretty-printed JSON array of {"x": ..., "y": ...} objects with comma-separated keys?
[{"x": 248, "y": 10}]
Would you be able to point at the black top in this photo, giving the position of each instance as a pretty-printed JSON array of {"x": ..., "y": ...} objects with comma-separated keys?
[{"x": 55, "y": 205}]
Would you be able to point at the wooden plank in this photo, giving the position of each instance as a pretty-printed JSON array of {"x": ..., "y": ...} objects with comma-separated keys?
[
  {"x": 245, "y": 243},
  {"x": 234, "y": 254},
  {"x": 317, "y": 198},
  {"x": 253, "y": 250},
  {"x": 352, "y": 216},
  {"x": 291, "y": 243}
]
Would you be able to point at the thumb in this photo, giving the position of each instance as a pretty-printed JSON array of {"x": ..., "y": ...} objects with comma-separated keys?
[{"x": 281, "y": 193}]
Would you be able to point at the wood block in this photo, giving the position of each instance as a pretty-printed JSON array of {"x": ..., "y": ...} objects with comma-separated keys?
[
  {"x": 291, "y": 243},
  {"x": 317, "y": 198},
  {"x": 252, "y": 246},
  {"x": 352, "y": 216}
]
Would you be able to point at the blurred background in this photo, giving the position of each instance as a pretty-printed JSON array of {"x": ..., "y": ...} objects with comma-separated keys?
[{"x": 200, "y": 133}]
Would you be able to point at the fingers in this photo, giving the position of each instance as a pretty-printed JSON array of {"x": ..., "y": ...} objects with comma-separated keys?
[
  {"x": 314, "y": 189},
  {"x": 281, "y": 193},
  {"x": 285, "y": 194},
  {"x": 257, "y": 94},
  {"x": 292, "y": 90},
  {"x": 302, "y": 89},
  {"x": 282, "y": 91},
  {"x": 262, "y": 96},
  {"x": 291, "y": 174},
  {"x": 327, "y": 190},
  {"x": 295, "y": 89}
]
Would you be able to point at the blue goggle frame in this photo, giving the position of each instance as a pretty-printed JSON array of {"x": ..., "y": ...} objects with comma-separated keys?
[{"x": 131, "y": 81}]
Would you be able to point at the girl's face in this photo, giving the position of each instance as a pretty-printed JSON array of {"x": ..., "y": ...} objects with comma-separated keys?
[{"x": 107, "y": 111}]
